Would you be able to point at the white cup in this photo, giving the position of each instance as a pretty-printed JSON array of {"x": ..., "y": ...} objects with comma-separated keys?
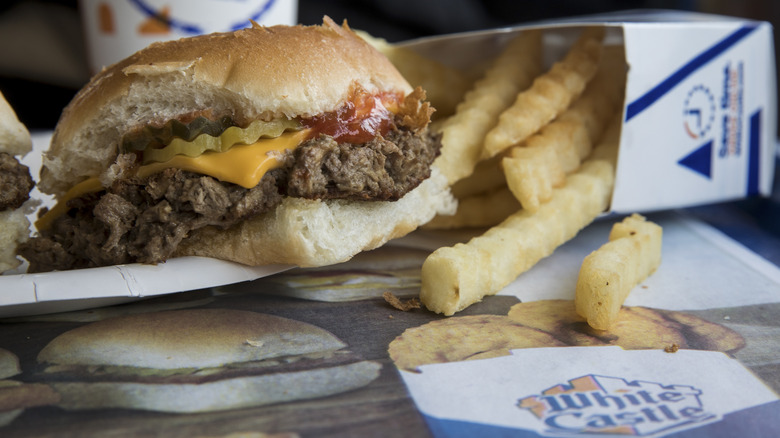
[{"x": 115, "y": 29}]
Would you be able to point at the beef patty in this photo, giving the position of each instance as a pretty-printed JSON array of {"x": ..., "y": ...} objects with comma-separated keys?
[
  {"x": 144, "y": 220},
  {"x": 15, "y": 182}
]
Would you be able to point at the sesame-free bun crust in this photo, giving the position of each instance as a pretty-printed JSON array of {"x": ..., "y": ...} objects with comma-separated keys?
[
  {"x": 312, "y": 233},
  {"x": 259, "y": 72},
  {"x": 9, "y": 364},
  {"x": 14, "y": 225},
  {"x": 193, "y": 338},
  {"x": 14, "y": 230},
  {"x": 14, "y": 136}
]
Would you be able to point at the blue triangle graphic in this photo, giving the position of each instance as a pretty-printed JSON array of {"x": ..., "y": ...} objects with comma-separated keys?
[{"x": 700, "y": 160}]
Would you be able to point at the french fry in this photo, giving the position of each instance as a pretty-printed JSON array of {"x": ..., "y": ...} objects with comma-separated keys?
[
  {"x": 455, "y": 277},
  {"x": 540, "y": 163},
  {"x": 463, "y": 133},
  {"x": 566, "y": 137},
  {"x": 610, "y": 142},
  {"x": 549, "y": 95},
  {"x": 609, "y": 274},
  {"x": 487, "y": 177},
  {"x": 601, "y": 98},
  {"x": 531, "y": 174},
  {"x": 444, "y": 86},
  {"x": 479, "y": 210}
]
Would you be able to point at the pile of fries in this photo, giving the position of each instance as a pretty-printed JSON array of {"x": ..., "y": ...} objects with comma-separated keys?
[{"x": 529, "y": 152}]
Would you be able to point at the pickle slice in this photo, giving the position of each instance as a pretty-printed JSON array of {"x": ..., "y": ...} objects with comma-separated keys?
[
  {"x": 222, "y": 142},
  {"x": 228, "y": 138},
  {"x": 157, "y": 137}
]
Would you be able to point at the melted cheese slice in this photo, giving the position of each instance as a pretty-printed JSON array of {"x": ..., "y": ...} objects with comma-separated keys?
[{"x": 244, "y": 165}]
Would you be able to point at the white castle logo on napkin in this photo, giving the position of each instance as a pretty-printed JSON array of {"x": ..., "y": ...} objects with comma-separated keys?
[{"x": 601, "y": 404}]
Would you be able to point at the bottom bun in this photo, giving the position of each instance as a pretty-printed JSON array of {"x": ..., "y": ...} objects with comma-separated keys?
[
  {"x": 236, "y": 393},
  {"x": 14, "y": 229},
  {"x": 313, "y": 233},
  {"x": 8, "y": 417},
  {"x": 16, "y": 396}
]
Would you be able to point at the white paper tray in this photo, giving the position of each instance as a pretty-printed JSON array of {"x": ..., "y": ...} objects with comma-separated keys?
[{"x": 28, "y": 294}]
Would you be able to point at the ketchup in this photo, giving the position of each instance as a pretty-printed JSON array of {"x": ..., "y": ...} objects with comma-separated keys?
[{"x": 360, "y": 120}]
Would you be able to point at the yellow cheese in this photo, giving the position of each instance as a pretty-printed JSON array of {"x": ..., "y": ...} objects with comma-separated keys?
[
  {"x": 80, "y": 189},
  {"x": 244, "y": 165}
]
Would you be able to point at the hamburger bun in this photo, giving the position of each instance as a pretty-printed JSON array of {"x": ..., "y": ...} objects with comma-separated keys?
[
  {"x": 255, "y": 73},
  {"x": 14, "y": 225},
  {"x": 199, "y": 360},
  {"x": 14, "y": 136},
  {"x": 16, "y": 396},
  {"x": 260, "y": 73},
  {"x": 9, "y": 364}
]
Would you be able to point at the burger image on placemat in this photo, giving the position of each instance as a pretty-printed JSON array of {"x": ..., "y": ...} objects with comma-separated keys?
[
  {"x": 16, "y": 396},
  {"x": 198, "y": 360}
]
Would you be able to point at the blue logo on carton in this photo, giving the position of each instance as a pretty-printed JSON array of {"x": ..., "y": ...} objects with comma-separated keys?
[
  {"x": 611, "y": 405},
  {"x": 698, "y": 112},
  {"x": 732, "y": 107},
  {"x": 701, "y": 112}
]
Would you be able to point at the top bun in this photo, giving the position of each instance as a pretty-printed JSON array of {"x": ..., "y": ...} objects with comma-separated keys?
[
  {"x": 14, "y": 226},
  {"x": 254, "y": 73},
  {"x": 193, "y": 338},
  {"x": 14, "y": 136},
  {"x": 9, "y": 364}
]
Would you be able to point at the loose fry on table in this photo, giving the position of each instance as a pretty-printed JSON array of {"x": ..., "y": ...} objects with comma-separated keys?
[
  {"x": 464, "y": 132},
  {"x": 609, "y": 274},
  {"x": 550, "y": 94},
  {"x": 537, "y": 165},
  {"x": 444, "y": 86},
  {"x": 479, "y": 210},
  {"x": 455, "y": 277}
]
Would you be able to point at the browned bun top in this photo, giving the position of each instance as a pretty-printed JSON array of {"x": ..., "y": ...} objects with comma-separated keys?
[
  {"x": 259, "y": 72},
  {"x": 9, "y": 364},
  {"x": 193, "y": 338},
  {"x": 14, "y": 136}
]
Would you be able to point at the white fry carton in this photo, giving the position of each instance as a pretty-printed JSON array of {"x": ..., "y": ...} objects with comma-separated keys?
[{"x": 700, "y": 109}]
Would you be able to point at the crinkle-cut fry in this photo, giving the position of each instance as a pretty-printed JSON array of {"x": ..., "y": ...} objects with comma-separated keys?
[
  {"x": 463, "y": 134},
  {"x": 487, "y": 177},
  {"x": 566, "y": 137},
  {"x": 443, "y": 85},
  {"x": 601, "y": 98},
  {"x": 479, "y": 210},
  {"x": 609, "y": 142},
  {"x": 531, "y": 174},
  {"x": 455, "y": 277},
  {"x": 549, "y": 95},
  {"x": 560, "y": 147},
  {"x": 608, "y": 274}
]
